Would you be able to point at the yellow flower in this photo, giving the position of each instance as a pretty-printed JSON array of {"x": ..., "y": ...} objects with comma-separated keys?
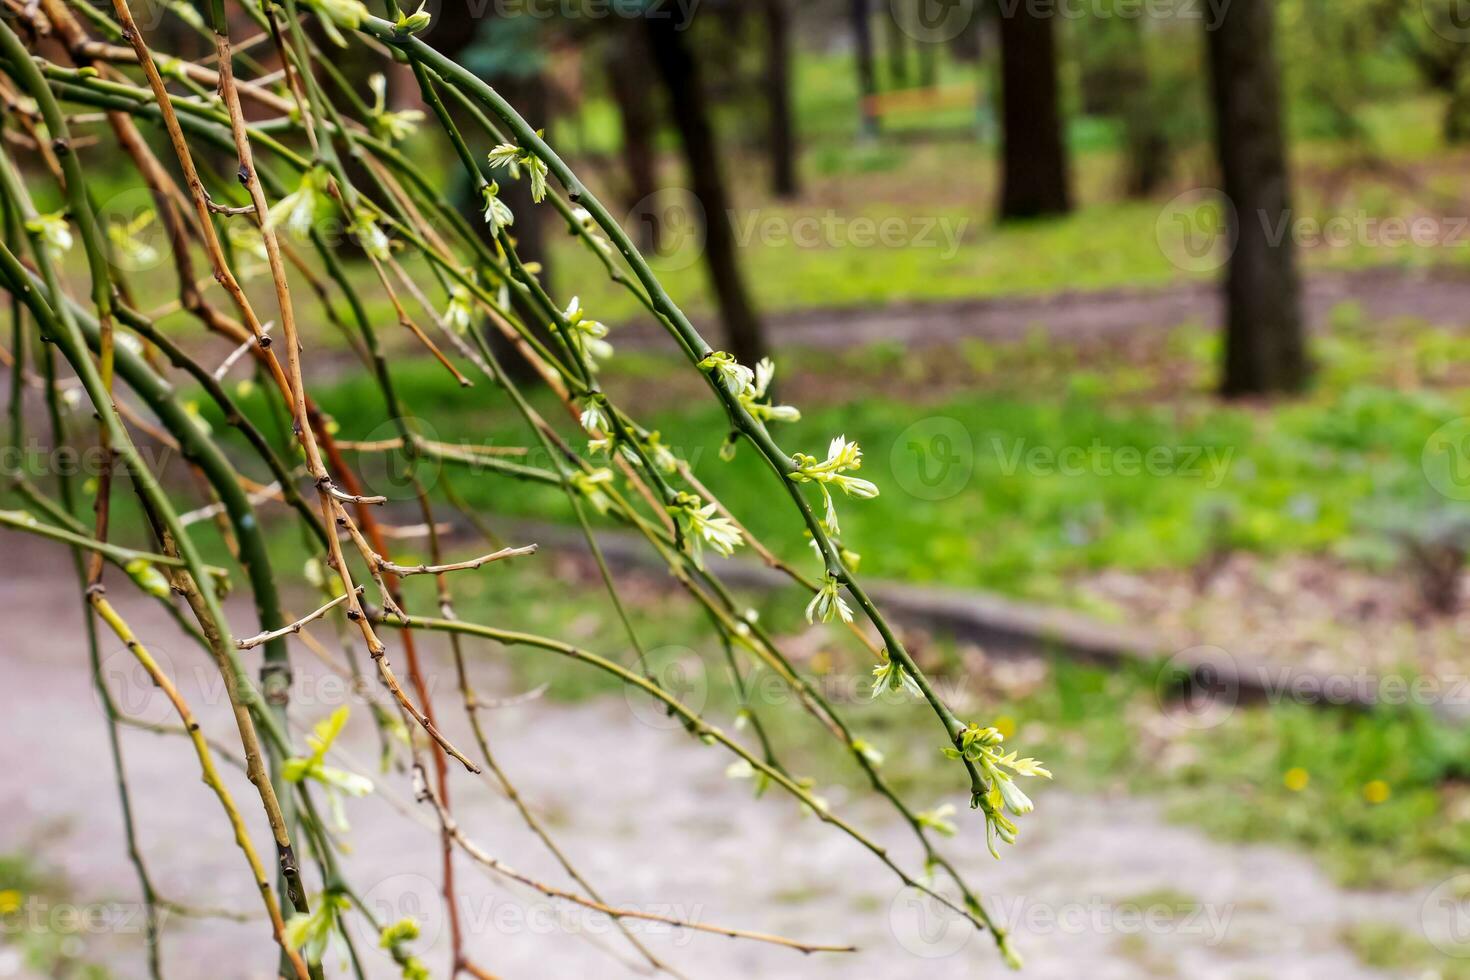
[
  {"x": 1296, "y": 779},
  {"x": 1376, "y": 791},
  {"x": 9, "y": 901}
]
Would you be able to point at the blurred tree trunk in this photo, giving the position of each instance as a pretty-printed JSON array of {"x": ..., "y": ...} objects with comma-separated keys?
[
  {"x": 1265, "y": 343},
  {"x": 1457, "y": 110},
  {"x": 456, "y": 30},
  {"x": 631, "y": 82},
  {"x": 1148, "y": 149},
  {"x": 967, "y": 45},
  {"x": 782, "y": 135},
  {"x": 1115, "y": 83},
  {"x": 1033, "y": 155},
  {"x": 928, "y": 63},
  {"x": 677, "y": 67},
  {"x": 862, "y": 35},
  {"x": 897, "y": 49},
  {"x": 1440, "y": 60}
]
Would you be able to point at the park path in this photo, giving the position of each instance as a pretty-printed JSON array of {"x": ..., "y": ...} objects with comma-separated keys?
[
  {"x": 1438, "y": 296},
  {"x": 1094, "y": 888}
]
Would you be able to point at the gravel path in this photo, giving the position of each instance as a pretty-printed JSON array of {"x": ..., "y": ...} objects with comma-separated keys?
[
  {"x": 1439, "y": 297},
  {"x": 1101, "y": 887}
]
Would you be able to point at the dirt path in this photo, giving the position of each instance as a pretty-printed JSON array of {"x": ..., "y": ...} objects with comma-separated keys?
[
  {"x": 1437, "y": 296},
  {"x": 1099, "y": 886}
]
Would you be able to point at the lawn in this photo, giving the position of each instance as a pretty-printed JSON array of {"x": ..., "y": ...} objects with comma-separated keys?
[{"x": 1020, "y": 469}]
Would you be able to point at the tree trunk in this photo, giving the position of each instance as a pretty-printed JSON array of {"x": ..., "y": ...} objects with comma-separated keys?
[
  {"x": 1456, "y": 127},
  {"x": 967, "y": 45},
  {"x": 928, "y": 63},
  {"x": 862, "y": 35},
  {"x": 528, "y": 95},
  {"x": 631, "y": 82},
  {"x": 1116, "y": 80},
  {"x": 1265, "y": 344},
  {"x": 1033, "y": 155},
  {"x": 1148, "y": 152},
  {"x": 898, "y": 50},
  {"x": 782, "y": 136},
  {"x": 456, "y": 31},
  {"x": 677, "y": 67}
]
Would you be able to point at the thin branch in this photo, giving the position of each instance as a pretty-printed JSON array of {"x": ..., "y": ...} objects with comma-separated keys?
[
  {"x": 296, "y": 627},
  {"x": 503, "y": 553}
]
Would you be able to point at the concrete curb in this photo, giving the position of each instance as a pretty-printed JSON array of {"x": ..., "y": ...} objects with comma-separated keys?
[{"x": 1010, "y": 628}]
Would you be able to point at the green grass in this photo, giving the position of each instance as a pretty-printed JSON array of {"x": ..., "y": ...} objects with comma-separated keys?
[
  {"x": 1312, "y": 476},
  {"x": 48, "y": 930},
  {"x": 1384, "y": 946}
]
